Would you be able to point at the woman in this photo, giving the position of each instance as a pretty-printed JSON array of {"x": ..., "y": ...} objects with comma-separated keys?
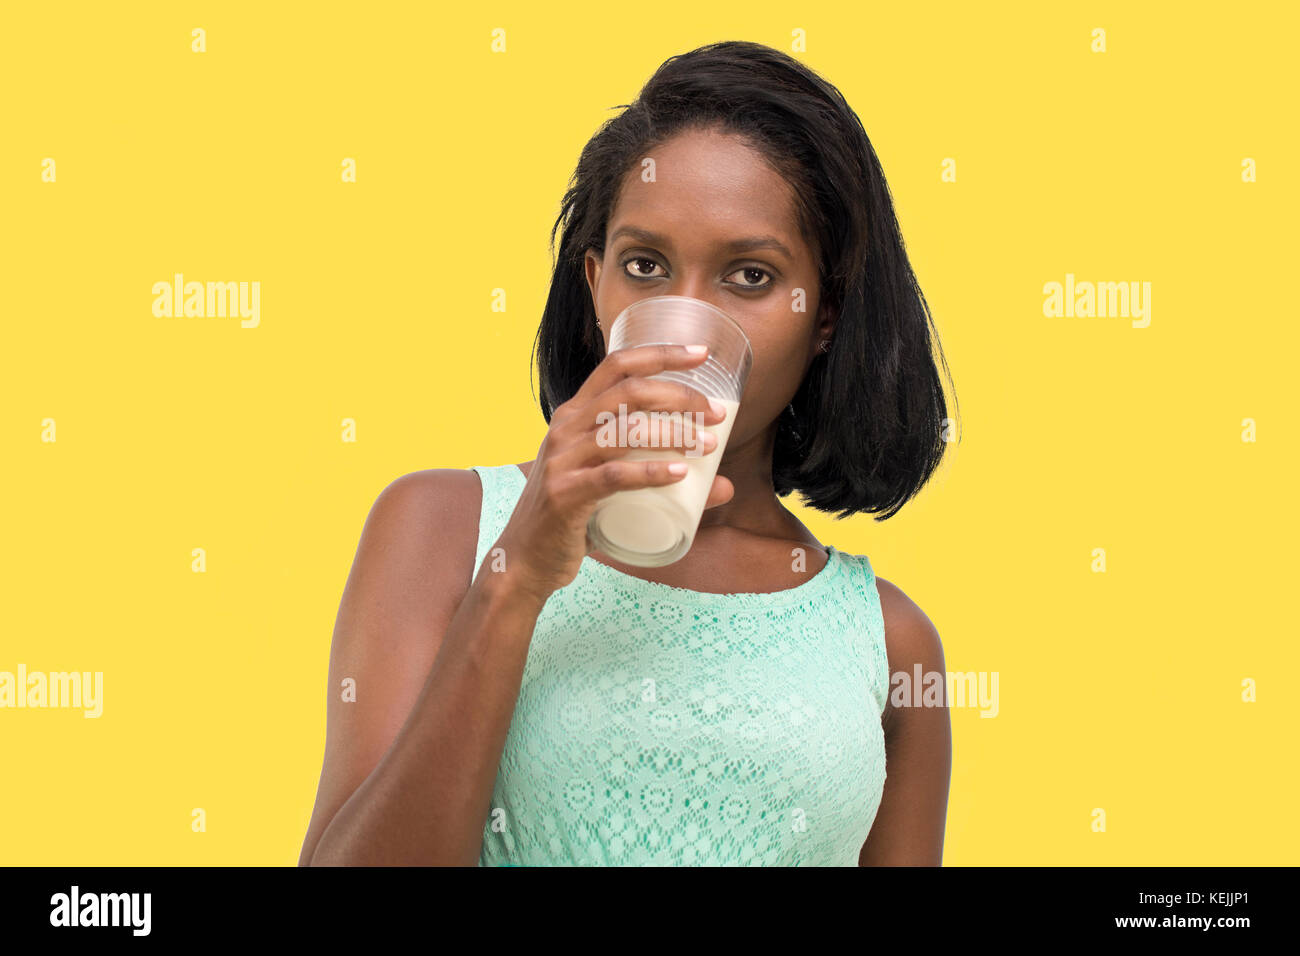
[{"x": 499, "y": 695}]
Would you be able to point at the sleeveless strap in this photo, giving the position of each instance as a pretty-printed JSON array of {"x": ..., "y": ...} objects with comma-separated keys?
[
  {"x": 863, "y": 577},
  {"x": 500, "y": 494}
]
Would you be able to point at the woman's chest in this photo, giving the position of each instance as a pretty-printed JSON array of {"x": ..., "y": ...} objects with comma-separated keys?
[
  {"x": 717, "y": 565},
  {"x": 669, "y": 734}
]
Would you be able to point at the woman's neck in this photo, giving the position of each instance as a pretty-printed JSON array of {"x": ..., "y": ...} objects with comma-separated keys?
[{"x": 754, "y": 508}]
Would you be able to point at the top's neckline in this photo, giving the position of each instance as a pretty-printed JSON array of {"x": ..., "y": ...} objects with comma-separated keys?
[{"x": 828, "y": 575}]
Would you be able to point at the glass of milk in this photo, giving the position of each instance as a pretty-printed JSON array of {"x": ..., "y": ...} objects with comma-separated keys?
[{"x": 650, "y": 527}]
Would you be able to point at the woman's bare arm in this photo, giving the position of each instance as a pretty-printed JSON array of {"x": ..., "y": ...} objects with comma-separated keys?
[
  {"x": 908, "y": 829},
  {"x": 437, "y": 663},
  {"x": 410, "y": 764}
]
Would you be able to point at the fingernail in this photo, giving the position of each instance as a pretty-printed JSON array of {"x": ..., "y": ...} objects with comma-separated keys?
[
  {"x": 677, "y": 468},
  {"x": 697, "y": 349},
  {"x": 718, "y": 408}
]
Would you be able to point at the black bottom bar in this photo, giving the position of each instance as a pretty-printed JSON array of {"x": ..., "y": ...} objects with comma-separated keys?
[{"x": 211, "y": 905}]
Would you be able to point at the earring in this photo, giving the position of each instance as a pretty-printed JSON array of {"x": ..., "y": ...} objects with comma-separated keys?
[
  {"x": 825, "y": 346},
  {"x": 598, "y": 323}
]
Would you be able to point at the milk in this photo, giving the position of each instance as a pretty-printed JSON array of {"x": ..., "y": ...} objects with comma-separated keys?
[{"x": 658, "y": 524}]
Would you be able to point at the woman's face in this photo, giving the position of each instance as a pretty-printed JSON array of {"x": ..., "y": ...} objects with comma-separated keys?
[{"x": 685, "y": 233}]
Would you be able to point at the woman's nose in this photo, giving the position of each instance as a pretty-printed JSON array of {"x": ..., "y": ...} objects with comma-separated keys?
[{"x": 694, "y": 289}]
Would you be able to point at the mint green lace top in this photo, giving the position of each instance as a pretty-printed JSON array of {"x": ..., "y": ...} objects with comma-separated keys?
[{"x": 662, "y": 726}]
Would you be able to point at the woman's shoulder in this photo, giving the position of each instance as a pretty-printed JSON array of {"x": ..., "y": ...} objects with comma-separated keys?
[
  {"x": 910, "y": 627},
  {"x": 427, "y": 520},
  {"x": 911, "y": 638},
  {"x": 430, "y": 492}
]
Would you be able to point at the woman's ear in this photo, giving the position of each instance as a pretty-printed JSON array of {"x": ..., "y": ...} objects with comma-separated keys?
[
  {"x": 827, "y": 316},
  {"x": 591, "y": 262}
]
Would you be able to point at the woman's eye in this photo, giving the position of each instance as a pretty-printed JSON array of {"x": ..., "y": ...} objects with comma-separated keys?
[
  {"x": 637, "y": 265},
  {"x": 748, "y": 272},
  {"x": 752, "y": 277}
]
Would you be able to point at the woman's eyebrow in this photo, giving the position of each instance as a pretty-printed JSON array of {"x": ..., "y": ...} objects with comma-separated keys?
[{"x": 746, "y": 244}]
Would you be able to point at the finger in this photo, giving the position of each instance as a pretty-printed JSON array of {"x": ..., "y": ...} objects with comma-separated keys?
[
  {"x": 657, "y": 441},
  {"x": 657, "y": 395},
  {"x": 639, "y": 428},
  {"x": 640, "y": 361},
  {"x": 721, "y": 492},
  {"x": 674, "y": 408},
  {"x": 622, "y": 475}
]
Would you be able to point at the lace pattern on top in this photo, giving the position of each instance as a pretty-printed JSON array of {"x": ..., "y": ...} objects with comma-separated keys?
[{"x": 662, "y": 726}]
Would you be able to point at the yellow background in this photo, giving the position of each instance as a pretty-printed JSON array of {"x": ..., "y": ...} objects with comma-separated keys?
[{"x": 1119, "y": 691}]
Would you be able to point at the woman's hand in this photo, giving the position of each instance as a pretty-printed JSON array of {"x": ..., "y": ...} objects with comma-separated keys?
[{"x": 546, "y": 537}]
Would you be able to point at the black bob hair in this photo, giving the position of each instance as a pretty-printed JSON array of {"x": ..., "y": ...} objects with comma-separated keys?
[{"x": 866, "y": 429}]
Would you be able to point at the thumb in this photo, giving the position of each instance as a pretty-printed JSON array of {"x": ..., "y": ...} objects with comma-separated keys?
[{"x": 721, "y": 492}]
